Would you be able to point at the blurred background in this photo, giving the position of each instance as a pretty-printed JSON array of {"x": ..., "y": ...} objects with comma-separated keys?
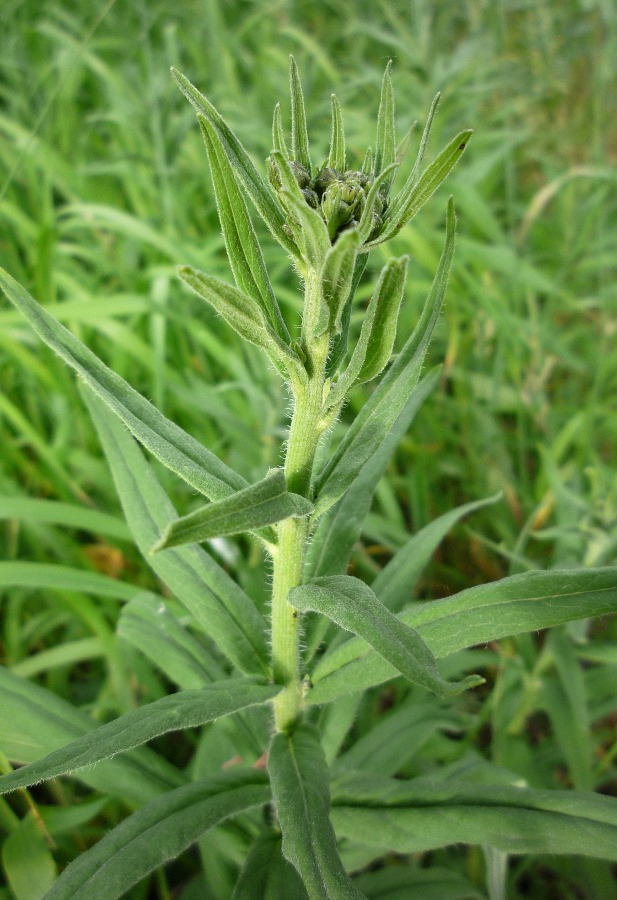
[{"x": 104, "y": 189}]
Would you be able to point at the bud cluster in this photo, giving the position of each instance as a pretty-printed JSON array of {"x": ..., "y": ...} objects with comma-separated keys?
[{"x": 339, "y": 196}]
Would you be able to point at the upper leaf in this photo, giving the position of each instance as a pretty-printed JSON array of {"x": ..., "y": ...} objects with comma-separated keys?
[
  {"x": 299, "y": 130},
  {"x": 353, "y": 605},
  {"x": 263, "y": 503}
]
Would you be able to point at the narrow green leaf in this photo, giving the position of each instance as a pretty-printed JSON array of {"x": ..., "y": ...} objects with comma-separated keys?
[
  {"x": 379, "y": 414},
  {"x": 402, "y": 882},
  {"x": 521, "y": 603},
  {"x": 340, "y": 342},
  {"x": 385, "y": 143},
  {"x": 185, "y": 709},
  {"x": 395, "y": 582},
  {"x": 278, "y": 136},
  {"x": 354, "y": 606},
  {"x": 412, "y": 197},
  {"x": 336, "y": 280},
  {"x": 243, "y": 250},
  {"x": 148, "y": 625},
  {"x": 52, "y": 577},
  {"x": 378, "y": 333},
  {"x": 158, "y": 832},
  {"x": 172, "y": 446},
  {"x": 53, "y": 512},
  {"x": 261, "y": 504},
  {"x": 299, "y": 778},
  {"x": 367, "y": 163},
  {"x": 266, "y": 874},
  {"x": 340, "y": 528},
  {"x": 299, "y": 129},
  {"x": 336, "y": 157},
  {"x": 309, "y": 229},
  {"x": 27, "y": 860},
  {"x": 257, "y": 189},
  {"x": 420, "y": 815},
  {"x": 367, "y": 220},
  {"x": 35, "y": 722},
  {"x": 426, "y": 133},
  {"x": 217, "y": 603},
  {"x": 245, "y": 316}
]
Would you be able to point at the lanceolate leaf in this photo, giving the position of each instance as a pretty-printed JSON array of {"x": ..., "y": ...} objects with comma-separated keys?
[
  {"x": 299, "y": 778},
  {"x": 406, "y": 817},
  {"x": 243, "y": 250},
  {"x": 257, "y": 189},
  {"x": 374, "y": 347},
  {"x": 278, "y": 138},
  {"x": 336, "y": 157},
  {"x": 395, "y": 582},
  {"x": 172, "y": 446},
  {"x": 521, "y": 603},
  {"x": 299, "y": 130},
  {"x": 382, "y": 410},
  {"x": 308, "y": 226},
  {"x": 367, "y": 222},
  {"x": 217, "y": 603},
  {"x": 261, "y": 504},
  {"x": 385, "y": 144},
  {"x": 245, "y": 316},
  {"x": 413, "y": 196},
  {"x": 353, "y": 605},
  {"x": 336, "y": 281},
  {"x": 35, "y": 721},
  {"x": 186, "y": 709},
  {"x": 157, "y": 833}
]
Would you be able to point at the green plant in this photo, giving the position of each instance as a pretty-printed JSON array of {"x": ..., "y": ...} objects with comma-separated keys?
[{"x": 307, "y": 516}]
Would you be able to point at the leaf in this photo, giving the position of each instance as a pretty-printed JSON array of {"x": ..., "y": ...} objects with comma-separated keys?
[
  {"x": 266, "y": 874},
  {"x": 402, "y": 882},
  {"x": 336, "y": 156},
  {"x": 300, "y": 789},
  {"x": 299, "y": 130},
  {"x": 336, "y": 280},
  {"x": 379, "y": 414},
  {"x": 278, "y": 138},
  {"x": 338, "y": 351},
  {"x": 243, "y": 250},
  {"x": 521, "y": 603},
  {"x": 63, "y": 578},
  {"x": 309, "y": 229},
  {"x": 413, "y": 197},
  {"x": 378, "y": 333},
  {"x": 158, "y": 832},
  {"x": 385, "y": 142},
  {"x": 217, "y": 603},
  {"x": 34, "y": 722},
  {"x": 406, "y": 817},
  {"x": 147, "y": 624},
  {"x": 264, "y": 503},
  {"x": 172, "y": 446},
  {"x": 28, "y": 863},
  {"x": 367, "y": 219},
  {"x": 246, "y": 317},
  {"x": 395, "y": 582},
  {"x": 352, "y": 604},
  {"x": 257, "y": 189},
  {"x": 337, "y": 532},
  {"x": 69, "y": 515},
  {"x": 175, "y": 712}
]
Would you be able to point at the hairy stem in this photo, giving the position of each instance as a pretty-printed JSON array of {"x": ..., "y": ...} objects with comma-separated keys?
[{"x": 302, "y": 442}]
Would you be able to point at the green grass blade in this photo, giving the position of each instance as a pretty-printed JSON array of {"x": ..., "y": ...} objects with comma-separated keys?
[
  {"x": 352, "y": 604},
  {"x": 515, "y": 605},
  {"x": 52, "y": 577},
  {"x": 175, "y": 712},
  {"x": 257, "y": 189},
  {"x": 216, "y": 601},
  {"x": 69, "y": 515},
  {"x": 172, "y": 446},
  {"x": 264, "y": 503},
  {"x": 158, "y": 832},
  {"x": 243, "y": 250},
  {"x": 300, "y": 789}
]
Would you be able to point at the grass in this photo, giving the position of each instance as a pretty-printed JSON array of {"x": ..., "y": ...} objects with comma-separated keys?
[{"x": 104, "y": 189}]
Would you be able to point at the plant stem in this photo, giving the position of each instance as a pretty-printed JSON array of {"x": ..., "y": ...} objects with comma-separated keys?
[{"x": 302, "y": 442}]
